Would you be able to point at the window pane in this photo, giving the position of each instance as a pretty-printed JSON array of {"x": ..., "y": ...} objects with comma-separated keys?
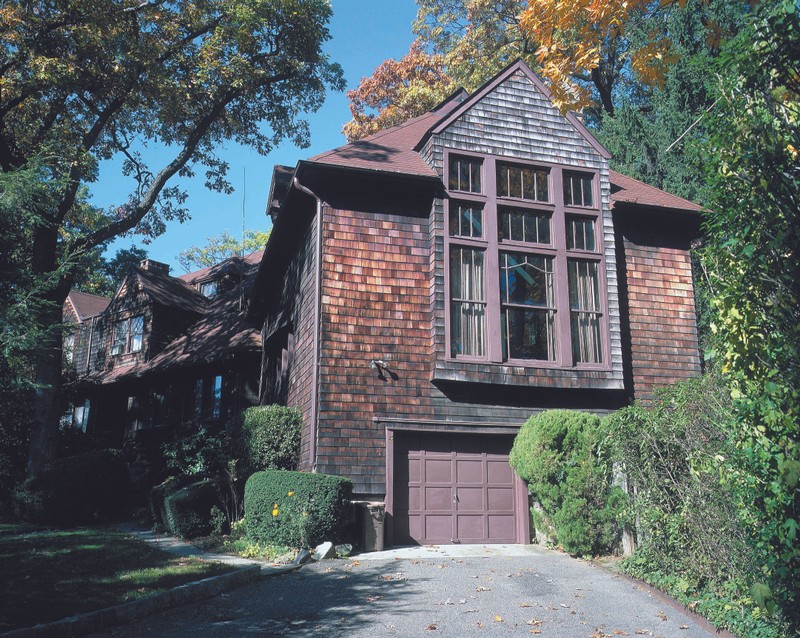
[
  {"x": 578, "y": 189},
  {"x": 466, "y": 220},
  {"x": 524, "y": 225},
  {"x": 464, "y": 174},
  {"x": 580, "y": 233},
  {"x": 208, "y": 289},
  {"x": 523, "y": 182},
  {"x": 584, "y": 302},
  {"x": 526, "y": 280},
  {"x": 467, "y": 308},
  {"x": 216, "y": 397},
  {"x": 120, "y": 337},
  {"x": 528, "y": 334},
  {"x": 137, "y": 330}
]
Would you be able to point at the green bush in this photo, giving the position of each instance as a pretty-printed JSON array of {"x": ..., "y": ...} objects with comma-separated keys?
[
  {"x": 295, "y": 508},
  {"x": 75, "y": 490},
  {"x": 188, "y": 511},
  {"x": 158, "y": 496},
  {"x": 272, "y": 437},
  {"x": 202, "y": 448},
  {"x": 557, "y": 453}
]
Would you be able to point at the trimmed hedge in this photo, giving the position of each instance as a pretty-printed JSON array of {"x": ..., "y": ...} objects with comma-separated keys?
[
  {"x": 187, "y": 511},
  {"x": 296, "y": 508},
  {"x": 272, "y": 437},
  {"x": 557, "y": 453},
  {"x": 158, "y": 496},
  {"x": 76, "y": 490}
]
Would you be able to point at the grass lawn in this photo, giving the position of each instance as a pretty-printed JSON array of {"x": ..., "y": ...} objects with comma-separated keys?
[{"x": 51, "y": 574}]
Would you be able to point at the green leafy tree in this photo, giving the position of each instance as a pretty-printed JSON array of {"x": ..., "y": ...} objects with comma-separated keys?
[
  {"x": 221, "y": 247},
  {"x": 753, "y": 242},
  {"x": 85, "y": 81},
  {"x": 99, "y": 275}
]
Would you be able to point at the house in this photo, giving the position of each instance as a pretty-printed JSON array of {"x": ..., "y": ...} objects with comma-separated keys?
[
  {"x": 165, "y": 350},
  {"x": 428, "y": 288}
]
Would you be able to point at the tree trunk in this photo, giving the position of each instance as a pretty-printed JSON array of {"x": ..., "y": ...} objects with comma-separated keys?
[{"x": 48, "y": 357}]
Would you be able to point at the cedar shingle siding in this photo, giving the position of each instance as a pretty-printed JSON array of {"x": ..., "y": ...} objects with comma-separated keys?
[{"x": 382, "y": 293}]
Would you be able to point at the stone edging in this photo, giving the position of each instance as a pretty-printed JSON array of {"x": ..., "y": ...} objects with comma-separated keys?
[{"x": 82, "y": 624}]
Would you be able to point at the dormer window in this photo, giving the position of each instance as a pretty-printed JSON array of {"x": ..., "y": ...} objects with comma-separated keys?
[
  {"x": 128, "y": 335},
  {"x": 524, "y": 266},
  {"x": 209, "y": 288}
]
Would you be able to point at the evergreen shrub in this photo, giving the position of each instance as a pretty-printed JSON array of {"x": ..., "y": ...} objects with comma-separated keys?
[
  {"x": 158, "y": 496},
  {"x": 76, "y": 490},
  {"x": 558, "y": 453},
  {"x": 188, "y": 511},
  {"x": 296, "y": 508},
  {"x": 272, "y": 437}
]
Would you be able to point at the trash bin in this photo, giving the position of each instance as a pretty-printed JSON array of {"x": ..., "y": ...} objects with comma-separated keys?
[{"x": 373, "y": 515}]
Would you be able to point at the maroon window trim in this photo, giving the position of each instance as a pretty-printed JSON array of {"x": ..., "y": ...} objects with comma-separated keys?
[{"x": 556, "y": 249}]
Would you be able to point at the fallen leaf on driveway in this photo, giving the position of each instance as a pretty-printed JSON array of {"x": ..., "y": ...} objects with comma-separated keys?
[
  {"x": 431, "y": 627},
  {"x": 372, "y": 599},
  {"x": 619, "y": 632},
  {"x": 684, "y": 626},
  {"x": 387, "y": 577},
  {"x": 482, "y": 589},
  {"x": 535, "y": 622},
  {"x": 663, "y": 616},
  {"x": 535, "y": 631},
  {"x": 498, "y": 618},
  {"x": 479, "y": 624},
  {"x": 525, "y": 605}
]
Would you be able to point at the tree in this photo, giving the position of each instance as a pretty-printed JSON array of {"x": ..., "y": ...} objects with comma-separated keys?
[
  {"x": 85, "y": 81},
  {"x": 220, "y": 248},
  {"x": 397, "y": 91},
  {"x": 98, "y": 275},
  {"x": 753, "y": 243}
]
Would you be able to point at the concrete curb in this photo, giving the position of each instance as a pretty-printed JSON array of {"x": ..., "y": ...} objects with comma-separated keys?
[{"x": 82, "y": 624}]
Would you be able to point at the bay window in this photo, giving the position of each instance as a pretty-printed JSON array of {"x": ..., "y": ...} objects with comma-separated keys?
[{"x": 524, "y": 263}]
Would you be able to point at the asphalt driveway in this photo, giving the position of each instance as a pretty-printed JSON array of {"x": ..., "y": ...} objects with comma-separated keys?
[{"x": 429, "y": 593}]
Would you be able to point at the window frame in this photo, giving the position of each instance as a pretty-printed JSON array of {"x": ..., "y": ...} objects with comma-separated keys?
[
  {"x": 127, "y": 345},
  {"x": 492, "y": 246}
]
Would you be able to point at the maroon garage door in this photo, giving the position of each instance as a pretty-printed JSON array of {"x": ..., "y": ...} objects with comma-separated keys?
[{"x": 453, "y": 488}]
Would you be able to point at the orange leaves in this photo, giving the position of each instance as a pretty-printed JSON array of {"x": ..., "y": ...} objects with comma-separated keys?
[{"x": 396, "y": 91}]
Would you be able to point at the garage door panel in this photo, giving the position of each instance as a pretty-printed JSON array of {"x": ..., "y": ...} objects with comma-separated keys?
[
  {"x": 499, "y": 471},
  {"x": 470, "y": 498},
  {"x": 502, "y": 528},
  {"x": 438, "y": 471},
  {"x": 500, "y": 499},
  {"x": 438, "y": 527},
  {"x": 470, "y": 528},
  {"x": 438, "y": 498},
  {"x": 469, "y": 470}
]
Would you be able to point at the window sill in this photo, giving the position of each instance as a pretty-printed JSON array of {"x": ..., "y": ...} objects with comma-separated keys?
[{"x": 547, "y": 376}]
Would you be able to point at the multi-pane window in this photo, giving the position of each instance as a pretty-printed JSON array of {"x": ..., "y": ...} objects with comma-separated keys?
[
  {"x": 524, "y": 274},
  {"x": 464, "y": 174},
  {"x": 527, "y": 306},
  {"x": 523, "y": 182},
  {"x": 467, "y": 302},
  {"x": 578, "y": 189},
  {"x": 128, "y": 335},
  {"x": 209, "y": 289}
]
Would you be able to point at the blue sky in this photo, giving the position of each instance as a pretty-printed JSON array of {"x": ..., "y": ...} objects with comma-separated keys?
[{"x": 364, "y": 34}]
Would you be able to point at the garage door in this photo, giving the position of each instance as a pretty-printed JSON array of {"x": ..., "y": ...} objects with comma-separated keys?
[{"x": 453, "y": 488}]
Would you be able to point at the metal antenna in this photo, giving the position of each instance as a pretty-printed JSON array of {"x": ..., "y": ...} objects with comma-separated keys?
[{"x": 241, "y": 247}]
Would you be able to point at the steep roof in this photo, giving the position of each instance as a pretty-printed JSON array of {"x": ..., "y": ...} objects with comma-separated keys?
[
  {"x": 627, "y": 190},
  {"x": 170, "y": 291},
  {"x": 229, "y": 265},
  {"x": 390, "y": 150},
  {"x": 221, "y": 330},
  {"x": 87, "y": 305}
]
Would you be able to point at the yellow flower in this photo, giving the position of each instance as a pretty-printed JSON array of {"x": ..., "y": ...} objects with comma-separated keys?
[
  {"x": 291, "y": 492},
  {"x": 274, "y": 509}
]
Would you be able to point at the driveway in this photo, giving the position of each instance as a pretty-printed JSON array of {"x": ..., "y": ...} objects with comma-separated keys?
[{"x": 520, "y": 591}]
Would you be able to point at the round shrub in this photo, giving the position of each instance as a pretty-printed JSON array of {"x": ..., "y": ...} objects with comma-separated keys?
[
  {"x": 557, "y": 453},
  {"x": 272, "y": 437},
  {"x": 75, "y": 490},
  {"x": 296, "y": 508},
  {"x": 187, "y": 511},
  {"x": 158, "y": 496}
]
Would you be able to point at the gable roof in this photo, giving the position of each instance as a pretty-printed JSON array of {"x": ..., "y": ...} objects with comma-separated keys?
[
  {"x": 229, "y": 265},
  {"x": 86, "y": 304},
  {"x": 170, "y": 291}
]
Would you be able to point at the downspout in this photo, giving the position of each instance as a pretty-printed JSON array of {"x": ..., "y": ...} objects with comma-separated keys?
[
  {"x": 317, "y": 325},
  {"x": 89, "y": 348}
]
